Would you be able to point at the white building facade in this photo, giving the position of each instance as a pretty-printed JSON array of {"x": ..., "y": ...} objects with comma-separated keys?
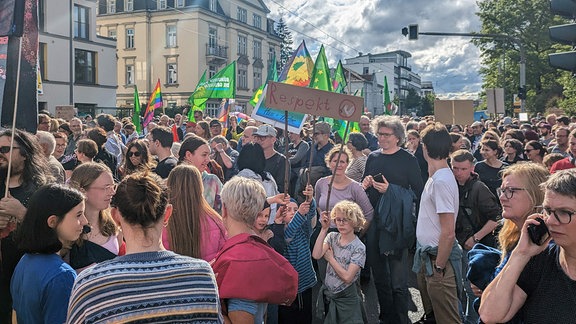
[{"x": 77, "y": 67}]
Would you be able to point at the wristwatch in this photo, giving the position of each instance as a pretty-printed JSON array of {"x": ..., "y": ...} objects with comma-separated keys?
[
  {"x": 439, "y": 270},
  {"x": 476, "y": 240}
]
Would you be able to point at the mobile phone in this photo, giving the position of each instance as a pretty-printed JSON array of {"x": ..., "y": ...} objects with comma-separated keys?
[
  {"x": 538, "y": 233},
  {"x": 378, "y": 177}
]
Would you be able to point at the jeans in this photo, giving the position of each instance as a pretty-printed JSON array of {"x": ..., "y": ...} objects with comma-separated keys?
[
  {"x": 470, "y": 314},
  {"x": 391, "y": 280}
]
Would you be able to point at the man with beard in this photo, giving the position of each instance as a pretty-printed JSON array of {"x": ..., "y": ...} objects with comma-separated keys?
[
  {"x": 545, "y": 131},
  {"x": 29, "y": 170}
]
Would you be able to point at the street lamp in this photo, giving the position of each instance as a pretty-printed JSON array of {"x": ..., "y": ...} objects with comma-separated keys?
[{"x": 412, "y": 32}]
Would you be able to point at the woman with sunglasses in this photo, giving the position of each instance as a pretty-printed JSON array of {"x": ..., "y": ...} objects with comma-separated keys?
[
  {"x": 519, "y": 195},
  {"x": 539, "y": 281},
  {"x": 103, "y": 239},
  {"x": 148, "y": 284},
  {"x": 42, "y": 281},
  {"x": 137, "y": 158},
  {"x": 535, "y": 152}
]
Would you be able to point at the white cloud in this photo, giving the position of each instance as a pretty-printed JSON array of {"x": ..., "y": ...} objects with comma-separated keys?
[{"x": 374, "y": 26}]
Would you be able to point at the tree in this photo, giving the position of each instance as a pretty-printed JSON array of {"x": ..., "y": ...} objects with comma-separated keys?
[
  {"x": 412, "y": 101},
  {"x": 427, "y": 105},
  {"x": 526, "y": 21},
  {"x": 286, "y": 45}
]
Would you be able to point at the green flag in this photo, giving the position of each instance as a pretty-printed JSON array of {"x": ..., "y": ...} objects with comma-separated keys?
[
  {"x": 221, "y": 86},
  {"x": 136, "y": 112},
  {"x": 321, "y": 73},
  {"x": 339, "y": 81},
  {"x": 272, "y": 76},
  {"x": 197, "y": 104},
  {"x": 387, "y": 102}
]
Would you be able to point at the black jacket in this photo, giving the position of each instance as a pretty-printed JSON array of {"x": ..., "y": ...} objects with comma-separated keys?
[{"x": 477, "y": 206}]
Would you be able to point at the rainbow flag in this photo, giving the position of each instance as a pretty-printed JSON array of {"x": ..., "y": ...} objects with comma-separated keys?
[{"x": 155, "y": 102}]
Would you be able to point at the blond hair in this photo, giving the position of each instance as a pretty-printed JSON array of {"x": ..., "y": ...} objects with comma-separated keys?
[
  {"x": 243, "y": 198},
  {"x": 351, "y": 211},
  {"x": 531, "y": 175}
]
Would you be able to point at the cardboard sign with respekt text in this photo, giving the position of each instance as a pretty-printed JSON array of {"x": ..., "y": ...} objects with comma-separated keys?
[{"x": 314, "y": 102}]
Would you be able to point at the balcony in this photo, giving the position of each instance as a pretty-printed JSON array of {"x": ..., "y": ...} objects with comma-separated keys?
[{"x": 216, "y": 54}]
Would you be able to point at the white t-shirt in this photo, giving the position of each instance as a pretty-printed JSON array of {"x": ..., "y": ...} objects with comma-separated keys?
[{"x": 440, "y": 195}]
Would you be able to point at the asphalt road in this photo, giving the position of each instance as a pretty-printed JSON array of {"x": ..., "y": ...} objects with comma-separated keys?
[{"x": 371, "y": 300}]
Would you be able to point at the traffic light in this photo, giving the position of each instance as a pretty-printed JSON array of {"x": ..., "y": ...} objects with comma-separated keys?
[
  {"x": 411, "y": 31},
  {"x": 522, "y": 92},
  {"x": 564, "y": 34}
]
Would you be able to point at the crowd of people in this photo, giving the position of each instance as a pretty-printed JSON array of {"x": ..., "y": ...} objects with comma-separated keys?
[{"x": 211, "y": 223}]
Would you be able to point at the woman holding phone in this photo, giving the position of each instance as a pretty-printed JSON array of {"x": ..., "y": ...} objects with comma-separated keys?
[{"x": 398, "y": 168}]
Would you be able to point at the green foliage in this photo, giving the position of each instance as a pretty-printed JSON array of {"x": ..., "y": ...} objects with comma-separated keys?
[
  {"x": 286, "y": 45},
  {"x": 427, "y": 104},
  {"x": 412, "y": 101},
  {"x": 527, "y": 21}
]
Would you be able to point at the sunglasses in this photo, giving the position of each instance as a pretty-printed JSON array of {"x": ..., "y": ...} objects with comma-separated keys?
[
  {"x": 130, "y": 154},
  {"x": 6, "y": 149}
]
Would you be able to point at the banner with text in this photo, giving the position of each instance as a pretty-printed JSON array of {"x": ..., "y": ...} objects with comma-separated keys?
[
  {"x": 276, "y": 117},
  {"x": 283, "y": 96}
]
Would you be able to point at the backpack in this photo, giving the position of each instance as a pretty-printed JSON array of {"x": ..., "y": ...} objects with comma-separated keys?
[{"x": 248, "y": 268}]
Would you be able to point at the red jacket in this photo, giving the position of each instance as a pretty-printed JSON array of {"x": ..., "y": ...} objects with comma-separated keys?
[{"x": 564, "y": 164}]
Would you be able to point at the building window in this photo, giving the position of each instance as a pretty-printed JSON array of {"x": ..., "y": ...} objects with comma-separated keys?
[
  {"x": 85, "y": 66},
  {"x": 42, "y": 48},
  {"x": 112, "y": 33},
  {"x": 161, "y": 4},
  {"x": 257, "y": 77},
  {"x": 212, "y": 37},
  {"x": 130, "y": 72},
  {"x": 212, "y": 109},
  {"x": 365, "y": 70},
  {"x": 257, "y": 21},
  {"x": 81, "y": 22},
  {"x": 213, "y": 5},
  {"x": 257, "y": 49},
  {"x": 172, "y": 73},
  {"x": 242, "y": 76},
  {"x": 242, "y": 45},
  {"x": 111, "y": 6},
  {"x": 211, "y": 71},
  {"x": 129, "y": 37},
  {"x": 171, "y": 36},
  {"x": 129, "y": 5},
  {"x": 242, "y": 15},
  {"x": 41, "y": 15},
  {"x": 271, "y": 53},
  {"x": 180, "y": 3}
]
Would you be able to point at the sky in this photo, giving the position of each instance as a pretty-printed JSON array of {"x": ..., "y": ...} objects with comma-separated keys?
[{"x": 374, "y": 26}]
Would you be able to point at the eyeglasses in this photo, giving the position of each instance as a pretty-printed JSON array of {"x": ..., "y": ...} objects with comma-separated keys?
[
  {"x": 385, "y": 134},
  {"x": 562, "y": 216},
  {"x": 341, "y": 220},
  {"x": 6, "y": 149},
  {"x": 489, "y": 138},
  {"x": 508, "y": 191},
  {"x": 136, "y": 154},
  {"x": 528, "y": 150},
  {"x": 109, "y": 188}
]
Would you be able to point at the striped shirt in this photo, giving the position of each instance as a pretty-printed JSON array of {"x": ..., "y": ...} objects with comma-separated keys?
[
  {"x": 297, "y": 236},
  {"x": 158, "y": 287}
]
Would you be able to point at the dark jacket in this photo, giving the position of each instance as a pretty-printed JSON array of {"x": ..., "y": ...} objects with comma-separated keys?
[
  {"x": 477, "y": 206},
  {"x": 395, "y": 220}
]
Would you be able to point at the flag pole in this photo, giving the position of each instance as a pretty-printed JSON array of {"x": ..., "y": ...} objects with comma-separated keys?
[
  {"x": 311, "y": 149},
  {"x": 287, "y": 162},
  {"x": 330, "y": 185},
  {"x": 6, "y": 191}
]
